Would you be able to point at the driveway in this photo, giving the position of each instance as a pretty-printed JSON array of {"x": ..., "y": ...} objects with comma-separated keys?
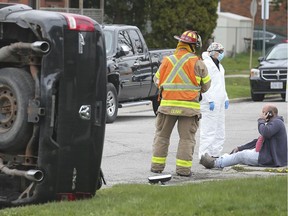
[{"x": 128, "y": 144}]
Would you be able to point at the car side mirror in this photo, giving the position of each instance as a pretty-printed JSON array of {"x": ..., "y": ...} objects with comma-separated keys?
[
  {"x": 123, "y": 51},
  {"x": 260, "y": 59}
]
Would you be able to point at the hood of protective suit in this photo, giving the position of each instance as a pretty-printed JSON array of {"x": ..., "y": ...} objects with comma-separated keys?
[{"x": 205, "y": 55}]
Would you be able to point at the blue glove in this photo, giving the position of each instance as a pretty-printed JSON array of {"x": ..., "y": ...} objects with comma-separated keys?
[
  {"x": 226, "y": 104},
  {"x": 211, "y": 105}
]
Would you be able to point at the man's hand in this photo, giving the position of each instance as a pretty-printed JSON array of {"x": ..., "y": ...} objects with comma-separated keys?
[{"x": 234, "y": 150}]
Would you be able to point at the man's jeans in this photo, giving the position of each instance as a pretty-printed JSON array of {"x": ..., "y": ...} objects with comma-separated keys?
[{"x": 246, "y": 157}]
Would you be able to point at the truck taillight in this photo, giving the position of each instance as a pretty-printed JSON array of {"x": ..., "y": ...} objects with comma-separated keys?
[{"x": 79, "y": 23}]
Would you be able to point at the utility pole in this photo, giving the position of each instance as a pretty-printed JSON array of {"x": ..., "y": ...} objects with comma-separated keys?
[
  {"x": 253, "y": 11},
  {"x": 264, "y": 15}
]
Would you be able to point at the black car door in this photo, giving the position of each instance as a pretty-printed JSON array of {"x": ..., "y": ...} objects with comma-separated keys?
[
  {"x": 144, "y": 73},
  {"x": 128, "y": 68}
]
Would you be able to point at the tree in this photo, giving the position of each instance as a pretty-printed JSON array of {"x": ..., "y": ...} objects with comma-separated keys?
[
  {"x": 125, "y": 12},
  {"x": 172, "y": 17},
  {"x": 167, "y": 18}
]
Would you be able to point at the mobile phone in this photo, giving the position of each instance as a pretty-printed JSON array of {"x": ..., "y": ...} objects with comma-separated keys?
[{"x": 269, "y": 115}]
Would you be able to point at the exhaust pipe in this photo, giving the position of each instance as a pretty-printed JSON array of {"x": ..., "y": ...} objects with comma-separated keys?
[
  {"x": 7, "y": 52},
  {"x": 32, "y": 175},
  {"x": 40, "y": 46}
]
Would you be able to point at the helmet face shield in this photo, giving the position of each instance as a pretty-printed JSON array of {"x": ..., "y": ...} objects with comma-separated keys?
[{"x": 199, "y": 42}]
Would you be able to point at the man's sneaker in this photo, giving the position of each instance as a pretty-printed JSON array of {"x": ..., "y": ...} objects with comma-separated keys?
[{"x": 207, "y": 161}]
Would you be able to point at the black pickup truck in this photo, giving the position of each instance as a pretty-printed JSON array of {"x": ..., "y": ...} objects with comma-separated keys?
[
  {"x": 130, "y": 68},
  {"x": 52, "y": 105}
]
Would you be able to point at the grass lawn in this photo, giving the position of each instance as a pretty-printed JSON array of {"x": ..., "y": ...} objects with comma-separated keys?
[
  {"x": 240, "y": 63},
  {"x": 252, "y": 196},
  {"x": 237, "y": 87}
]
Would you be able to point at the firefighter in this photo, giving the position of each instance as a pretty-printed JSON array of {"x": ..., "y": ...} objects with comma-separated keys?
[
  {"x": 213, "y": 104},
  {"x": 181, "y": 78}
]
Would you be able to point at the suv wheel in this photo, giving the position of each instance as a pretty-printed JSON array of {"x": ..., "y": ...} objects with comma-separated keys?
[
  {"x": 16, "y": 88},
  {"x": 112, "y": 103},
  {"x": 257, "y": 97}
]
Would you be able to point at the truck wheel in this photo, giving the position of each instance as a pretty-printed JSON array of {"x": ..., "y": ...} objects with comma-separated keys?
[
  {"x": 257, "y": 97},
  {"x": 112, "y": 103},
  {"x": 155, "y": 104},
  {"x": 16, "y": 88}
]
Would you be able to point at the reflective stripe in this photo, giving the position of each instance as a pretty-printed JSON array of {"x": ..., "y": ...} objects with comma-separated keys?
[
  {"x": 198, "y": 79},
  {"x": 177, "y": 67},
  {"x": 183, "y": 163},
  {"x": 157, "y": 74},
  {"x": 159, "y": 160},
  {"x": 180, "y": 87},
  {"x": 206, "y": 79},
  {"x": 186, "y": 104}
]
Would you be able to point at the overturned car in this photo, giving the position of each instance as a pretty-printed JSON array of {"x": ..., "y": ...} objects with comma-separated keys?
[{"x": 52, "y": 105}]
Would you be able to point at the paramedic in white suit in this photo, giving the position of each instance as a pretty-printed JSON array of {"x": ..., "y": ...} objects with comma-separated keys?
[{"x": 213, "y": 104}]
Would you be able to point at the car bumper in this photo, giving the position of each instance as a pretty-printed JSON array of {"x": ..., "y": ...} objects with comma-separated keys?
[{"x": 265, "y": 87}]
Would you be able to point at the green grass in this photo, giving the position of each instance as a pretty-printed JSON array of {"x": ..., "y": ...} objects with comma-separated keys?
[
  {"x": 252, "y": 196},
  {"x": 237, "y": 87},
  {"x": 240, "y": 63}
]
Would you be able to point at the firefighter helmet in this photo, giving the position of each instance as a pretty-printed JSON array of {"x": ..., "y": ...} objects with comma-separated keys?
[{"x": 190, "y": 37}]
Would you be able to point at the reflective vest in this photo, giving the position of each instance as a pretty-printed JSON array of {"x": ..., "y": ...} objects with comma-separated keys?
[{"x": 178, "y": 83}]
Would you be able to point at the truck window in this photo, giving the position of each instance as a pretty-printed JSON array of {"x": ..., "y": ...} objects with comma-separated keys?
[
  {"x": 108, "y": 42},
  {"x": 136, "y": 41},
  {"x": 124, "y": 39}
]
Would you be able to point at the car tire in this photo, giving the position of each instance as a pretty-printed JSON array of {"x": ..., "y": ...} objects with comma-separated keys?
[
  {"x": 112, "y": 103},
  {"x": 155, "y": 104},
  {"x": 16, "y": 88},
  {"x": 257, "y": 97}
]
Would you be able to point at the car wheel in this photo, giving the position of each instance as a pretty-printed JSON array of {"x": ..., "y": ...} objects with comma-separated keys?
[
  {"x": 112, "y": 103},
  {"x": 155, "y": 104},
  {"x": 16, "y": 88},
  {"x": 257, "y": 97}
]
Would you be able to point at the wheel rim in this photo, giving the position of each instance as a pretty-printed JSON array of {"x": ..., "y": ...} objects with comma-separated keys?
[
  {"x": 8, "y": 109},
  {"x": 110, "y": 103}
]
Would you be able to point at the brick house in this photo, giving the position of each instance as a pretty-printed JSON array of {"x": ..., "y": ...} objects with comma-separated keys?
[{"x": 93, "y": 9}]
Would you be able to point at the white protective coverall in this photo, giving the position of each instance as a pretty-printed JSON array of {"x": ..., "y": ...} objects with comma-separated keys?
[{"x": 212, "y": 123}]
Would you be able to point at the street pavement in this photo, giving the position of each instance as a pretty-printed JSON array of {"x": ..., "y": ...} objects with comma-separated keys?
[{"x": 128, "y": 144}]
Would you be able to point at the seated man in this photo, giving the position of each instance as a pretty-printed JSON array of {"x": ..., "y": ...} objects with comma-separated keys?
[{"x": 270, "y": 149}]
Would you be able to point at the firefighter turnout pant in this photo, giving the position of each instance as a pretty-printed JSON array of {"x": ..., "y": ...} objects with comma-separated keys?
[{"x": 187, "y": 128}]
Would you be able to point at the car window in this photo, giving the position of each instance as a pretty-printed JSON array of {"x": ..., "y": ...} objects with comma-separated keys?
[
  {"x": 279, "y": 52},
  {"x": 108, "y": 41},
  {"x": 259, "y": 35},
  {"x": 124, "y": 39},
  {"x": 136, "y": 40}
]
